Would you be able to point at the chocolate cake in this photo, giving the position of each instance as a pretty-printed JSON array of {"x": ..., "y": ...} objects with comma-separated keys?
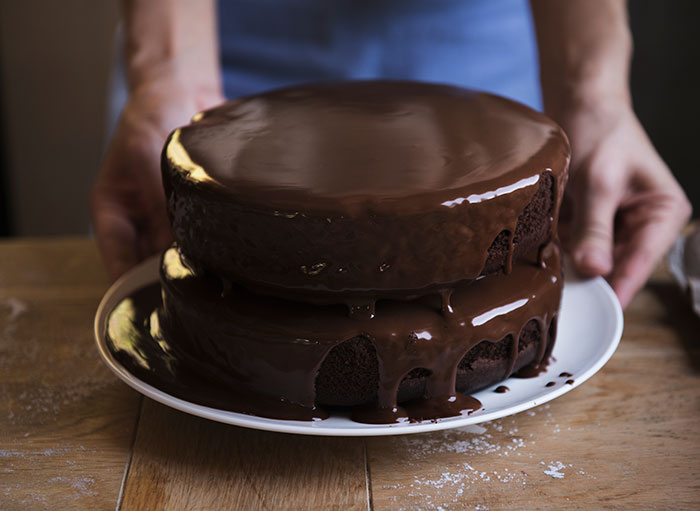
[{"x": 386, "y": 246}]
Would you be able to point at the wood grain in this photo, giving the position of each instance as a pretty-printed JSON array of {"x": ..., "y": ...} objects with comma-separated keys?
[
  {"x": 184, "y": 462},
  {"x": 66, "y": 424},
  {"x": 627, "y": 439}
]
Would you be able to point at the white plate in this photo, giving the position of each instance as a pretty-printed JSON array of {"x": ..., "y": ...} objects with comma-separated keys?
[{"x": 589, "y": 330}]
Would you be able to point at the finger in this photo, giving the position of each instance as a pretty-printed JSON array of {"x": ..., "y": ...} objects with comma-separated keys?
[
  {"x": 631, "y": 273},
  {"x": 116, "y": 239},
  {"x": 597, "y": 199},
  {"x": 638, "y": 255},
  {"x": 636, "y": 261}
]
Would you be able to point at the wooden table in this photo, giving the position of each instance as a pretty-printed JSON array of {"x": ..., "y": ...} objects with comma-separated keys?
[{"x": 72, "y": 436}]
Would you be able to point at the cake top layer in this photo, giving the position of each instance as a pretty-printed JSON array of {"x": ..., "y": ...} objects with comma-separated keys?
[{"x": 332, "y": 145}]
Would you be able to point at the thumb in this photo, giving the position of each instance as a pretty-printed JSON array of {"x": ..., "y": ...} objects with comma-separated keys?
[{"x": 596, "y": 204}]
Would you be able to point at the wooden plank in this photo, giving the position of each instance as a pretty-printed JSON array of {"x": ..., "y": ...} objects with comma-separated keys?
[
  {"x": 184, "y": 462},
  {"x": 628, "y": 438},
  {"x": 66, "y": 423}
]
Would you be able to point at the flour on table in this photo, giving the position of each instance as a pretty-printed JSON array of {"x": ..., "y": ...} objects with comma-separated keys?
[
  {"x": 83, "y": 486},
  {"x": 16, "y": 307},
  {"x": 554, "y": 470},
  {"x": 16, "y": 493},
  {"x": 493, "y": 453},
  {"x": 10, "y": 310}
]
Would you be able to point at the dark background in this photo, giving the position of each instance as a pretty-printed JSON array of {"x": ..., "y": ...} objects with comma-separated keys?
[
  {"x": 4, "y": 194},
  {"x": 665, "y": 80}
]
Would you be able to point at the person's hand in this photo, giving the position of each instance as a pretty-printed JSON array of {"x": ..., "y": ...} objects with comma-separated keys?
[
  {"x": 127, "y": 200},
  {"x": 626, "y": 206}
]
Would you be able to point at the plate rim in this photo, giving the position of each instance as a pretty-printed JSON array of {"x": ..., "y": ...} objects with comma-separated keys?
[{"x": 147, "y": 272}]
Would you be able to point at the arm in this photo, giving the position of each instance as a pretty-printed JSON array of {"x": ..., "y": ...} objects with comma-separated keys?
[
  {"x": 171, "y": 54},
  {"x": 626, "y": 206}
]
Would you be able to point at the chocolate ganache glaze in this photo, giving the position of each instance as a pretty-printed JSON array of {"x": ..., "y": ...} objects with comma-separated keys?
[
  {"x": 361, "y": 191},
  {"x": 427, "y": 211},
  {"x": 261, "y": 345}
]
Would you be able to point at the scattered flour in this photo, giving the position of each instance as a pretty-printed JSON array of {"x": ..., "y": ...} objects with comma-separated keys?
[
  {"x": 10, "y": 310},
  {"x": 16, "y": 307},
  {"x": 44, "y": 402},
  {"x": 83, "y": 486},
  {"x": 8, "y": 453},
  {"x": 40, "y": 403},
  {"x": 484, "y": 449},
  {"x": 29, "y": 500},
  {"x": 479, "y": 442},
  {"x": 18, "y": 495},
  {"x": 554, "y": 468}
]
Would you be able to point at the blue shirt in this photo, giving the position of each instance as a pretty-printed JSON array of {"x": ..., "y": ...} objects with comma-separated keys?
[{"x": 480, "y": 44}]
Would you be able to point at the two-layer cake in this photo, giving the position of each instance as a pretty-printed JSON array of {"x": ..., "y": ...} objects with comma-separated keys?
[{"x": 387, "y": 246}]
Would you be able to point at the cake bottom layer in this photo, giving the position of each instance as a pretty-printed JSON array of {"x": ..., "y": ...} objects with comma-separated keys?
[{"x": 421, "y": 353}]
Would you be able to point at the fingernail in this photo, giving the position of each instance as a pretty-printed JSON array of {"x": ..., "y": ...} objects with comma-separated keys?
[{"x": 593, "y": 261}]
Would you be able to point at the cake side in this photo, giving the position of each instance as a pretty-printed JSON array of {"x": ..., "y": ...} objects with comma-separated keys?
[
  {"x": 324, "y": 259},
  {"x": 285, "y": 350}
]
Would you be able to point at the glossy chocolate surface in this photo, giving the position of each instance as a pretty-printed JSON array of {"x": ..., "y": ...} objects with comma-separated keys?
[
  {"x": 352, "y": 192},
  {"x": 358, "y": 145},
  {"x": 415, "y": 217},
  {"x": 269, "y": 350},
  {"x": 135, "y": 339}
]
